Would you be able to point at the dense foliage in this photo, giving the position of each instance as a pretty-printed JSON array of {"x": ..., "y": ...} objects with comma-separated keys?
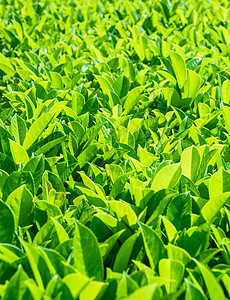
[{"x": 114, "y": 149}]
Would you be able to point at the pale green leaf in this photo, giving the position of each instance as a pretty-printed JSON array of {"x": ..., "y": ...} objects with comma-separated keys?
[
  {"x": 19, "y": 153},
  {"x": 179, "y": 68},
  {"x": 190, "y": 163},
  {"x": 36, "y": 129},
  {"x": 173, "y": 270},
  {"x": 167, "y": 177}
]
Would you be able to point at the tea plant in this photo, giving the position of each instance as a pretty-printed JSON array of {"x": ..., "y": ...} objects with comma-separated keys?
[{"x": 114, "y": 149}]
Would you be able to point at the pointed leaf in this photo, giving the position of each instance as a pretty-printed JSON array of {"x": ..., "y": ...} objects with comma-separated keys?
[
  {"x": 6, "y": 223},
  {"x": 36, "y": 129},
  {"x": 19, "y": 153},
  {"x": 132, "y": 98},
  {"x": 190, "y": 162},
  {"x": 213, "y": 206},
  {"x": 21, "y": 203},
  {"x": 191, "y": 85},
  {"x": 87, "y": 256},
  {"x": 214, "y": 288},
  {"x": 219, "y": 183},
  {"x": 154, "y": 247},
  {"x": 124, "y": 254},
  {"x": 18, "y": 129},
  {"x": 167, "y": 177},
  {"x": 173, "y": 270},
  {"x": 179, "y": 68},
  {"x": 226, "y": 112},
  {"x": 193, "y": 292},
  {"x": 148, "y": 292},
  {"x": 226, "y": 91}
]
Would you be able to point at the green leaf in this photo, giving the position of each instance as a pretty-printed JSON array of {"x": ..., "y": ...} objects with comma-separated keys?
[
  {"x": 128, "y": 139},
  {"x": 126, "y": 286},
  {"x": 219, "y": 183},
  {"x": 213, "y": 206},
  {"x": 90, "y": 134},
  {"x": 78, "y": 102},
  {"x": 6, "y": 66},
  {"x": 214, "y": 288},
  {"x": 36, "y": 166},
  {"x": 114, "y": 171},
  {"x": 56, "y": 80},
  {"x": 226, "y": 112},
  {"x": 179, "y": 68},
  {"x": 35, "y": 291},
  {"x": 105, "y": 84},
  {"x": 226, "y": 91},
  {"x": 108, "y": 244},
  {"x": 195, "y": 240},
  {"x": 51, "y": 233},
  {"x": 92, "y": 197},
  {"x": 167, "y": 177},
  {"x": 16, "y": 288},
  {"x": 35, "y": 261},
  {"x": 193, "y": 63},
  {"x": 18, "y": 129},
  {"x": 121, "y": 86},
  {"x": 10, "y": 253},
  {"x": 123, "y": 256},
  {"x": 147, "y": 292},
  {"x": 91, "y": 185},
  {"x": 61, "y": 233},
  {"x": 124, "y": 213},
  {"x": 118, "y": 185},
  {"x": 36, "y": 129},
  {"x": 193, "y": 292},
  {"x": 21, "y": 203},
  {"x": 48, "y": 146},
  {"x": 19, "y": 153},
  {"x": 205, "y": 161},
  {"x": 19, "y": 29},
  {"x": 157, "y": 205},
  {"x": 129, "y": 69},
  {"x": 173, "y": 270},
  {"x": 6, "y": 163},
  {"x": 146, "y": 158},
  {"x": 15, "y": 180},
  {"x": 57, "y": 287},
  {"x": 94, "y": 290},
  {"x": 6, "y": 223},
  {"x": 88, "y": 154},
  {"x": 3, "y": 177},
  {"x": 179, "y": 211},
  {"x": 87, "y": 257},
  {"x": 132, "y": 98},
  {"x": 140, "y": 46},
  {"x": 27, "y": 102},
  {"x": 178, "y": 253},
  {"x": 191, "y": 85},
  {"x": 169, "y": 228},
  {"x": 190, "y": 162},
  {"x": 5, "y": 136},
  {"x": 75, "y": 289},
  {"x": 154, "y": 247},
  {"x": 52, "y": 210}
]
